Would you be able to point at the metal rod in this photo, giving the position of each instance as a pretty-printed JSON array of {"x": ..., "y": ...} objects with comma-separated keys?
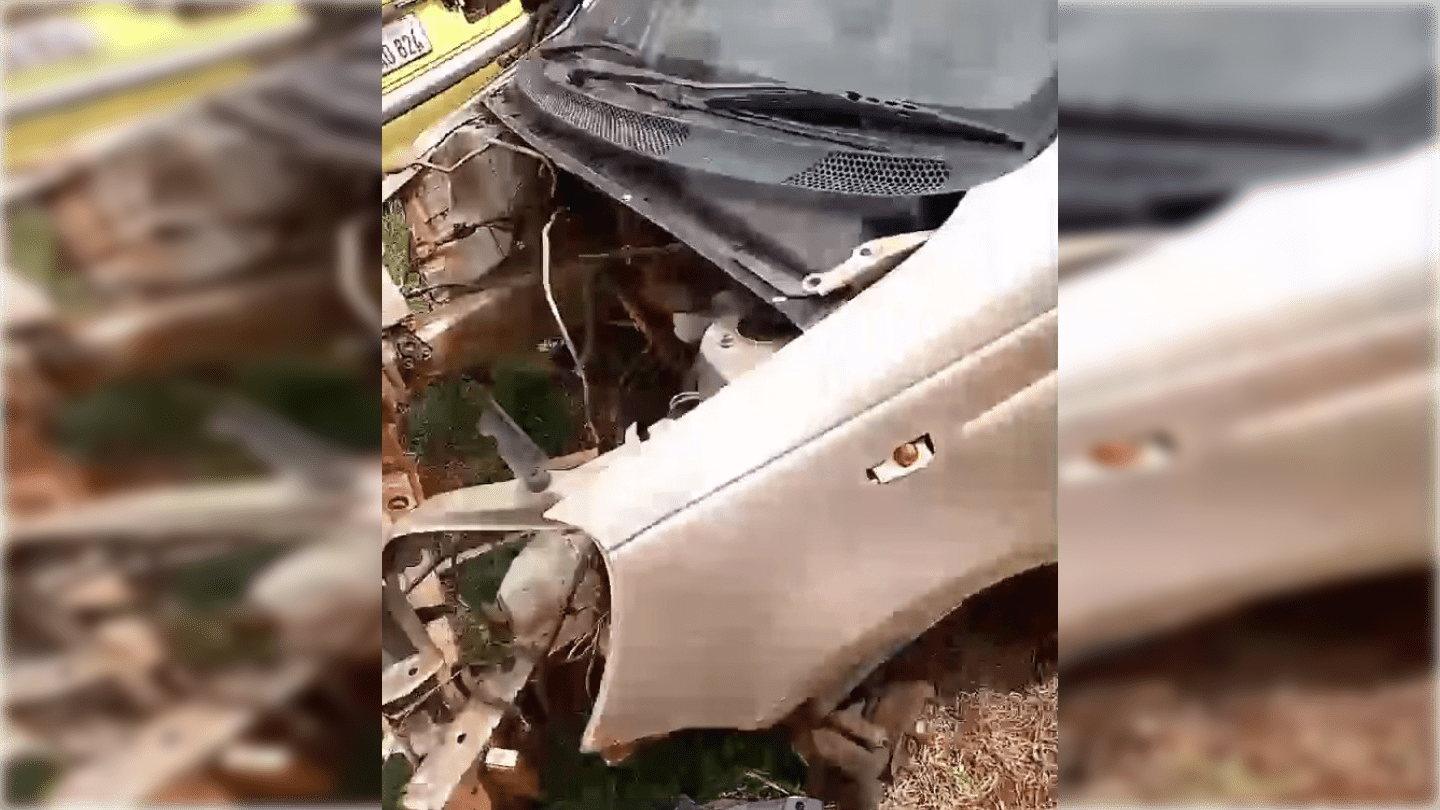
[{"x": 516, "y": 448}]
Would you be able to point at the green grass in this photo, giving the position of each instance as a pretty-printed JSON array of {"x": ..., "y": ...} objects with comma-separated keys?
[
  {"x": 166, "y": 417},
  {"x": 703, "y": 765},
  {"x": 395, "y": 244},
  {"x": 479, "y": 584},
  {"x": 444, "y": 421},
  {"x": 30, "y": 239},
  {"x": 542, "y": 410},
  {"x": 28, "y": 780},
  {"x": 335, "y": 402},
  {"x": 395, "y": 252},
  {"x": 393, "y": 776},
  {"x": 33, "y": 250}
]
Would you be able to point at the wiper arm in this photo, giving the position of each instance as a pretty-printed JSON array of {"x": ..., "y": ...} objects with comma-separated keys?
[{"x": 813, "y": 106}]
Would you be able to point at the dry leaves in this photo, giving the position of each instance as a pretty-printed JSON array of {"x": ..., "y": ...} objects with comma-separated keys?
[{"x": 990, "y": 749}]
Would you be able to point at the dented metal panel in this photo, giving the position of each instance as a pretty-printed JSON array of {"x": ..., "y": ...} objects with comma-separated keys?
[
  {"x": 959, "y": 343},
  {"x": 462, "y": 212},
  {"x": 533, "y": 594},
  {"x": 990, "y": 269},
  {"x": 839, "y": 568}
]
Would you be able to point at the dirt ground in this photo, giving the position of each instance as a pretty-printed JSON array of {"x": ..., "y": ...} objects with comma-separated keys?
[
  {"x": 991, "y": 749},
  {"x": 1326, "y": 696},
  {"x": 993, "y": 735},
  {"x": 1323, "y": 697}
]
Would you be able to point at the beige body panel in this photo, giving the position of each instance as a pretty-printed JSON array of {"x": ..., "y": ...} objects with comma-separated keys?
[
  {"x": 753, "y": 564},
  {"x": 1285, "y": 351}
]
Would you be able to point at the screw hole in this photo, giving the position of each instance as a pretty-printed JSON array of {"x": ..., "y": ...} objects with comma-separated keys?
[
  {"x": 460, "y": 738},
  {"x": 414, "y": 670}
]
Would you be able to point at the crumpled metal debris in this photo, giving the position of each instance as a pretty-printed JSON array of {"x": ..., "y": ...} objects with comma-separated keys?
[{"x": 197, "y": 243}]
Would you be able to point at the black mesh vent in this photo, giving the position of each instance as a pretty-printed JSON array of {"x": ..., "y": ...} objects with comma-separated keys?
[
  {"x": 647, "y": 134},
  {"x": 874, "y": 175}
]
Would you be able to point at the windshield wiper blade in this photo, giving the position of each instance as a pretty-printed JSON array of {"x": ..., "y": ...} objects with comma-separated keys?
[
  {"x": 644, "y": 75},
  {"x": 852, "y": 140},
  {"x": 587, "y": 47},
  {"x": 814, "y": 106},
  {"x": 778, "y": 101},
  {"x": 635, "y": 71}
]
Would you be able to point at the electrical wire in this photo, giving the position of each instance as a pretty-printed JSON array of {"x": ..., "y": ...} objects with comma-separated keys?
[
  {"x": 560, "y": 322},
  {"x": 493, "y": 141}
]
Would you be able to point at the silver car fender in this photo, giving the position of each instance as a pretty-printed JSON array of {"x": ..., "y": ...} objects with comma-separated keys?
[{"x": 755, "y": 558}]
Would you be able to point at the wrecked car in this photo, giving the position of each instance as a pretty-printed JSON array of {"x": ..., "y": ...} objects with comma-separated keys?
[{"x": 804, "y": 296}]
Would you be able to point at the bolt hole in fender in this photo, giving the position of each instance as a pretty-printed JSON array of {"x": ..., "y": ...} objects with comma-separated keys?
[
  {"x": 953, "y": 354},
  {"x": 906, "y": 459}
]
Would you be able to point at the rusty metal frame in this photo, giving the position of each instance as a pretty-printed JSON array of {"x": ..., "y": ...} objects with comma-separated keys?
[{"x": 71, "y": 553}]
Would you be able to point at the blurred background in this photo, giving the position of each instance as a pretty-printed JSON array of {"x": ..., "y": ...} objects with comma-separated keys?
[
  {"x": 1248, "y": 250},
  {"x": 191, "y": 488}
]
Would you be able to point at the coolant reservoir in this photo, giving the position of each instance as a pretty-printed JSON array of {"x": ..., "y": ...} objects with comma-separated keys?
[{"x": 725, "y": 355}]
